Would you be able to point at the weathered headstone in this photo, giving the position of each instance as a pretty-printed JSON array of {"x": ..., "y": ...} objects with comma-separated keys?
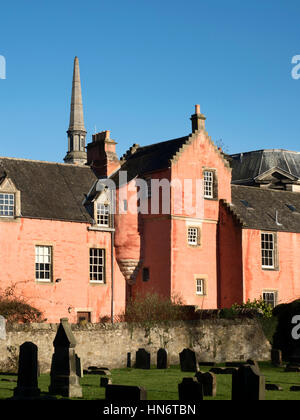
[
  {"x": 94, "y": 370},
  {"x": 248, "y": 384},
  {"x": 142, "y": 359},
  {"x": 27, "y": 385},
  {"x": 207, "y": 364},
  {"x": 125, "y": 393},
  {"x": 276, "y": 357},
  {"x": 234, "y": 364},
  {"x": 223, "y": 370},
  {"x": 273, "y": 387},
  {"x": 188, "y": 361},
  {"x": 128, "y": 360},
  {"x": 190, "y": 390},
  {"x": 162, "y": 359},
  {"x": 64, "y": 379},
  {"x": 79, "y": 370},
  {"x": 105, "y": 381},
  {"x": 253, "y": 363},
  {"x": 209, "y": 383},
  {"x": 2, "y": 328}
]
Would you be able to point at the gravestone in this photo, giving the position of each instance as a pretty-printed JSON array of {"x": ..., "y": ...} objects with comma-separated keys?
[
  {"x": 64, "y": 379},
  {"x": 27, "y": 385},
  {"x": 190, "y": 390},
  {"x": 276, "y": 357},
  {"x": 162, "y": 359},
  {"x": 2, "y": 328},
  {"x": 188, "y": 361},
  {"x": 209, "y": 383},
  {"x": 129, "y": 360},
  {"x": 79, "y": 370},
  {"x": 253, "y": 363},
  {"x": 273, "y": 387},
  {"x": 105, "y": 381},
  {"x": 248, "y": 384},
  {"x": 125, "y": 393},
  {"x": 142, "y": 359}
]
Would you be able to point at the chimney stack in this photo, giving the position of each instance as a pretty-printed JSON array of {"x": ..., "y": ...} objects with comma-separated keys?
[
  {"x": 101, "y": 154},
  {"x": 198, "y": 119}
]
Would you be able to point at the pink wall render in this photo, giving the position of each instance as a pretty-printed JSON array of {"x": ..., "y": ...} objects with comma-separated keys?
[{"x": 70, "y": 249}]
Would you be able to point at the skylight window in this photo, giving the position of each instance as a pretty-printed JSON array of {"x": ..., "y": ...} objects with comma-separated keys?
[
  {"x": 291, "y": 207},
  {"x": 246, "y": 204}
]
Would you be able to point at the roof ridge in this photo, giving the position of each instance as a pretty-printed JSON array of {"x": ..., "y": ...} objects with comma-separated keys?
[{"x": 44, "y": 161}]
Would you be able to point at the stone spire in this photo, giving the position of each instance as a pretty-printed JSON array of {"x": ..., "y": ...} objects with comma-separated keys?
[{"x": 76, "y": 132}]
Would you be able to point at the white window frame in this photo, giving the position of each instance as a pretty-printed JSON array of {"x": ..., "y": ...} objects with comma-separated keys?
[
  {"x": 7, "y": 204},
  {"x": 43, "y": 263},
  {"x": 268, "y": 251},
  {"x": 102, "y": 214},
  {"x": 192, "y": 235},
  {"x": 200, "y": 286},
  {"x": 97, "y": 265},
  {"x": 269, "y": 292},
  {"x": 208, "y": 184}
]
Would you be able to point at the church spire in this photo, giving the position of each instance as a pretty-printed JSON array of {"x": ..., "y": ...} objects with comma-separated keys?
[{"x": 76, "y": 132}]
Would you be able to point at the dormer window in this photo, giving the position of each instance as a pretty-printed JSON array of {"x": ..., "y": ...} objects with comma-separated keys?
[
  {"x": 7, "y": 205},
  {"x": 102, "y": 214}
]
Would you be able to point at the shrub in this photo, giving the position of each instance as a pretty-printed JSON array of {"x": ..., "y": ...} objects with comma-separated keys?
[
  {"x": 152, "y": 307},
  {"x": 15, "y": 308},
  {"x": 256, "y": 307}
]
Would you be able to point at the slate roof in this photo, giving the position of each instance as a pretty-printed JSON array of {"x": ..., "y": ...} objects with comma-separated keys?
[
  {"x": 262, "y": 206},
  {"x": 150, "y": 158},
  {"x": 247, "y": 166},
  {"x": 50, "y": 190}
]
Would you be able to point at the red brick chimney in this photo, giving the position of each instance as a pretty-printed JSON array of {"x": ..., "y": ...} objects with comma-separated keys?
[{"x": 101, "y": 154}]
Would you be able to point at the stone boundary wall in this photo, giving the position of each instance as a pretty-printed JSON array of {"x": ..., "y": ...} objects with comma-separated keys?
[{"x": 107, "y": 345}]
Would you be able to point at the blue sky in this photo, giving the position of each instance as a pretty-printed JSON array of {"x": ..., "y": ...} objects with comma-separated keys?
[{"x": 144, "y": 65}]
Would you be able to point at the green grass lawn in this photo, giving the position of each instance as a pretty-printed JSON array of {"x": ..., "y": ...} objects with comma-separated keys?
[{"x": 163, "y": 384}]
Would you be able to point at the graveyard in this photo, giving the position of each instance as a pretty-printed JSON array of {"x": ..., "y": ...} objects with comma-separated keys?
[
  {"x": 163, "y": 384},
  {"x": 152, "y": 375}
]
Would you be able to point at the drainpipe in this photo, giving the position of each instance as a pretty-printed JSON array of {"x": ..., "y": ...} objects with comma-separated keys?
[{"x": 112, "y": 243}]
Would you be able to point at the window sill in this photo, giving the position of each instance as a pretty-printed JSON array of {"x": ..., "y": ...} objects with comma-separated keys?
[
  {"x": 97, "y": 283},
  {"x": 270, "y": 268},
  {"x": 44, "y": 282},
  {"x": 101, "y": 228},
  {"x": 10, "y": 219}
]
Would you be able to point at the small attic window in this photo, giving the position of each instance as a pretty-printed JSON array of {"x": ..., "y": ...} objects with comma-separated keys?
[
  {"x": 7, "y": 205},
  {"x": 247, "y": 205},
  {"x": 292, "y": 208}
]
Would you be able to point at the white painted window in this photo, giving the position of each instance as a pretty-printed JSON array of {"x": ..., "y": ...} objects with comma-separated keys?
[
  {"x": 193, "y": 236},
  {"x": 267, "y": 250},
  {"x": 102, "y": 214},
  {"x": 200, "y": 284},
  {"x": 270, "y": 297},
  {"x": 7, "y": 205},
  {"x": 208, "y": 184},
  {"x": 43, "y": 263},
  {"x": 97, "y": 265}
]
